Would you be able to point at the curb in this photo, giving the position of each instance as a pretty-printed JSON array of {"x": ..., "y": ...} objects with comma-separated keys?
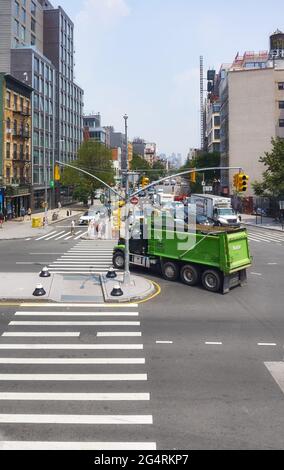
[{"x": 130, "y": 298}]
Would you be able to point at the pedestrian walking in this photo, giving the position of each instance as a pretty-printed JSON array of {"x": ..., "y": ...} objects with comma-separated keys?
[
  {"x": 2, "y": 218},
  {"x": 29, "y": 213},
  {"x": 22, "y": 213},
  {"x": 73, "y": 227}
]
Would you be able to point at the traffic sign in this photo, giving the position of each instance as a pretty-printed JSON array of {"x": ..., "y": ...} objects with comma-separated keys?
[{"x": 134, "y": 200}]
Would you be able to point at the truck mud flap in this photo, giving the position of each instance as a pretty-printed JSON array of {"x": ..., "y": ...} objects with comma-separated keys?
[{"x": 233, "y": 280}]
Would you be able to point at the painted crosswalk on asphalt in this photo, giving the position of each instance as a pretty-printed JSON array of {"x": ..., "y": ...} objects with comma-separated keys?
[
  {"x": 266, "y": 236},
  {"x": 93, "y": 256},
  {"x": 71, "y": 391}
]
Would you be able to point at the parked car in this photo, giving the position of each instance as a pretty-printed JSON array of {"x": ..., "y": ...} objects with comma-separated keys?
[{"x": 203, "y": 220}]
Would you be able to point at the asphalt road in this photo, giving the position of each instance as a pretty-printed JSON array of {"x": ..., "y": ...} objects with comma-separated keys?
[{"x": 202, "y": 395}]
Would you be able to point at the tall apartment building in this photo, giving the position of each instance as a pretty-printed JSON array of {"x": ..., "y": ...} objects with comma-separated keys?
[
  {"x": 252, "y": 110},
  {"x": 15, "y": 148},
  {"x": 37, "y": 47}
]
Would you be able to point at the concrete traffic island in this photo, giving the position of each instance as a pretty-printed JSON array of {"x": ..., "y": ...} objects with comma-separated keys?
[
  {"x": 139, "y": 289},
  {"x": 92, "y": 288}
]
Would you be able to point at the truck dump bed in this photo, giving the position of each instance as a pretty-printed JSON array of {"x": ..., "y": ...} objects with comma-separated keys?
[{"x": 224, "y": 249}]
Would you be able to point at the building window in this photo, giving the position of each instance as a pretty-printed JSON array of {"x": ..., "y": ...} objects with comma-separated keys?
[
  {"x": 16, "y": 27},
  {"x": 33, "y": 25},
  {"x": 15, "y": 103},
  {"x": 281, "y": 104},
  {"x": 8, "y": 99},
  {"x": 33, "y": 8},
  {"x": 33, "y": 40},
  {"x": 16, "y": 8},
  {"x": 23, "y": 33},
  {"x": 280, "y": 85},
  {"x": 281, "y": 122},
  {"x": 23, "y": 15},
  {"x": 8, "y": 150},
  {"x": 15, "y": 151}
]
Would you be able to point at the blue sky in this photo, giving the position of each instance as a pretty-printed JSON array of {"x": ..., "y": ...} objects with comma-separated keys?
[{"x": 141, "y": 57}]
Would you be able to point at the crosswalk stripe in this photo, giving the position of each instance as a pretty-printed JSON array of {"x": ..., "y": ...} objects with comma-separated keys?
[
  {"x": 53, "y": 236},
  {"x": 72, "y": 361},
  {"x": 75, "y": 396},
  {"x": 48, "y": 445},
  {"x": 74, "y": 323},
  {"x": 254, "y": 239},
  {"x": 76, "y": 419},
  {"x": 62, "y": 236},
  {"x": 73, "y": 377},
  {"x": 44, "y": 236},
  {"x": 71, "y": 346},
  {"x": 75, "y": 305},
  {"x": 40, "y": 334},
  {"x": 77, "y": 314},
  {"x": 105, "y": 334}
]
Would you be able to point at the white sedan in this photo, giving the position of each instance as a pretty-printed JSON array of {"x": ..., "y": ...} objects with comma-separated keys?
[{"x": 88, "y": 216}]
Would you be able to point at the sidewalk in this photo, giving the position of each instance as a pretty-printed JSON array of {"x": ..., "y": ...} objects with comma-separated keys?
[
  {"x": 267, "y": 222},
  {"x": 19, "y": 229}
]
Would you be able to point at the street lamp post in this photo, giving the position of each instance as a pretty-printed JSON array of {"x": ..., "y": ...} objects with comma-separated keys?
[{"x": 126, "y": 279}]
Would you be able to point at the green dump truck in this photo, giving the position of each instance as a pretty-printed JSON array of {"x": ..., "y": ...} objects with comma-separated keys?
[{"x": 218, "y": 258}]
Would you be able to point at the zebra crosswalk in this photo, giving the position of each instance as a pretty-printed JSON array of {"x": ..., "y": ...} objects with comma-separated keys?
[
  {"x": 266, "y": 236},
  {"x": 60, "y": 235},
  {"x": 92, "y": 397},
  {"x": 87, "y": 256}
]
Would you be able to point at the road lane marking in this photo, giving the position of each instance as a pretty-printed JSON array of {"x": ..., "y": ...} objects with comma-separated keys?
[
  {"x": 56, "y": 361},
  {"x": 74, "y": 323},
  {"x": 164, "y": 342},
  {"x": 72, "y": 377},
  {"x": 272, "y": 264},
  {"x": 75, "y": 419},
  {"x": 75, "y": 305},
  {"x": 75, "y": 396},
  {"x": 76, "y": 314},
  {"x": 256, "y": 274},
  {"x": 48, "y": 445},
  {"x": 266, "y": 344},
  {"x": 71, "y": 346},
  {"x": 40, "y": 334},
  {"x": 212, "y": 343},
  {"x": 105, "y": 334},
  {"x": 276, "y": 369}
]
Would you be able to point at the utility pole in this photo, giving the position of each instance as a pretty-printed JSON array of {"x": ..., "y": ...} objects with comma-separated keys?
[{"x": 126, "y": 280}]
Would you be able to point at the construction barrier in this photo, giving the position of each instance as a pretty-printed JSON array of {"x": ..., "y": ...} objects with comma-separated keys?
[{"x": 36, "y": 222}]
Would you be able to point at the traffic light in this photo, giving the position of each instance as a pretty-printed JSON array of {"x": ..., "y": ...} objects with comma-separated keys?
[
  {"x": 57, "y": 174},
  {"x": 192, "y": 177},
  {"x": 243, "y": 182},
  {"x": 236, "y": 181},
  {"x": 145, "y": 181},
  {"x": 51, "y": 184}
]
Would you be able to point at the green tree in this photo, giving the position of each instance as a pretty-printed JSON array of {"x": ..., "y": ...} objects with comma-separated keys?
[
  {"x": 153, "y": 173},
  {"x": 203, "y": 160},
  {"x": 272, "y": 183},
  {"x": 95, "y": 158}
]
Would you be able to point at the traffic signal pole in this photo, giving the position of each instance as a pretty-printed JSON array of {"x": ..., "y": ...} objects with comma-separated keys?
[{"x": 128, "y": 196}]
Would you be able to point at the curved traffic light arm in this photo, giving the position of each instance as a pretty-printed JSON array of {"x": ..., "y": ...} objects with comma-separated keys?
[
  {"x": 92, "y": 176},
  {"x": 194, "y": 170}
]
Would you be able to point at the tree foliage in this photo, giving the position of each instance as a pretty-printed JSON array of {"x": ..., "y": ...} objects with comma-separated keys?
[
  {"x": 203, "y": 160},
  {"x": 153, "y": 173},
  {"x": 272, "y": 183},
  {"x": 95, "y": 158}
]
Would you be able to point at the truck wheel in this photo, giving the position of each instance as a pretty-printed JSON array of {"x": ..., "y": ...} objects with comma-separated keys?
[
  {"x": 118, "y": 260},
  {"x": 211, "y": 280},
  {"x": 170, "y": 271},
  {"x": 189, "y": 275}
]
